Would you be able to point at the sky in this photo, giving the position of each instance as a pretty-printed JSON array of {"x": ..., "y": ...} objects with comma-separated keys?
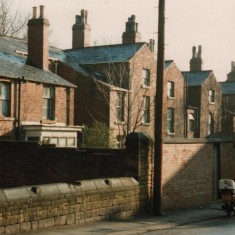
[{"x": 188, "y": 23}]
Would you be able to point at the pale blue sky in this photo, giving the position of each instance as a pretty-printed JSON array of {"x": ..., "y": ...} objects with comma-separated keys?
[{"x": 209, "y": 23}]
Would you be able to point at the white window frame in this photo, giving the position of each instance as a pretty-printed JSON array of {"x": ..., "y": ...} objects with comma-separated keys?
[
  {"x": 212, "y": 96},
  {"x": 120, "y": 107},
  {"x": 4, "y": 99},
  {"x": 191, "y": 122},
  {"x": 170, "y": 89},
  {"x": 146, "y": 77},
  {"x": 210, "y": 124},
  {"x": 146, "y": 109},
  {"x": 170, "y": 121},
  {"x": 48, "y": 103}
]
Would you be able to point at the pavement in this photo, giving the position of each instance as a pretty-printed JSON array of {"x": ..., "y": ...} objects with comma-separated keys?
[{"x": 139, "y": 224}]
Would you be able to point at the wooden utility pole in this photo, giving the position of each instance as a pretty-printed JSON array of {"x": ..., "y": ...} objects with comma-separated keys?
[{"x": 158, "y": 129}]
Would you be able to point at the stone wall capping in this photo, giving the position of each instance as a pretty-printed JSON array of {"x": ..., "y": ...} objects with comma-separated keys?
[
  {"x": 85, "y": 185},
  {"x": 44, "y": 190},
  {"x": 2, "y": 197},
  {"x": 16, "y": 193},
  {"x": 114, "y": 182},
  {"x": 127, "y": 181},
  {"x": 101, "y": 184},
  {"x": 65, "y": 188}
]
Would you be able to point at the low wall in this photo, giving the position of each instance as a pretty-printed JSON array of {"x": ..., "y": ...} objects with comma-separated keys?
[{"x": 42, "y": 206}]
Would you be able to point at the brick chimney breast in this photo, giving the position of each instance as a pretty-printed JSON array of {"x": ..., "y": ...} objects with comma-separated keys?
[
  {"x": 196, "y": 61},
  {"x": 131, "y": 35},
  {"x": 81, "y": 31},
  {"x": 38, "y": 44}
]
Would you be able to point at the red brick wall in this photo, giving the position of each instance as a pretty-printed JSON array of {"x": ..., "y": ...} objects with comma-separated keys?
[
  {"x": 187, "y": 174},
  {"x": 31, "y": 105},
  {"x": 35, "y": 165},
  {"x": 228, "y": 161}
]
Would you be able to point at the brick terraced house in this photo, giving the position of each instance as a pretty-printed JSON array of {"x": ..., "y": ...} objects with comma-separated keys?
[
  {"x": 203, "y": 99},
  {"x": 228, "y": 102},
  {"x": 174, "y": 105},
  {"x": 115, "y": 83},
  {"x": 35, "y": 104}
]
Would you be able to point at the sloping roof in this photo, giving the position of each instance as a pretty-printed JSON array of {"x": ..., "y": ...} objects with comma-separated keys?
[
  {"x": 196, "y": 78},
  {"x": 228, "y": 88},
  {"x": 13, "y": 65},
  {"x": 76, "y": 58},
  {"x": 104, "y": 54}
]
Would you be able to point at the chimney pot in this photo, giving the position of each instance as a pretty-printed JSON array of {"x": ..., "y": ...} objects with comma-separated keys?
[
  {"x": 41, "y": 11},
  {"x": 34, "y": 12}
]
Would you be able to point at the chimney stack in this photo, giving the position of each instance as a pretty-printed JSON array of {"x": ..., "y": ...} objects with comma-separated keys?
[
  {"x": 196, "y": 61},
  {"x": 81, "y": 31},
  {"x": 231, "y": 75},
  {"x": 151, "y": 44},
  {"x": 131, "y": 35},
  {"x": 38, "y": 45}
]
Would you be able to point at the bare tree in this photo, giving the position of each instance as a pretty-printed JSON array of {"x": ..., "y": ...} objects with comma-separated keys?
[
  {"x": 115, "y": 82},
  {"x": 12, "y": 24}
]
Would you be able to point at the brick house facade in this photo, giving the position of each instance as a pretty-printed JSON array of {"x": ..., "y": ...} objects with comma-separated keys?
[
  {"x": 173, "y": 94},
  {"x": 203, "y": 99},
  {"x": 104, "y": 73},
  {"x": 115, "y": 83},
  {"x": 35, "y": 104},
  {"x": 228, "y": 102}
]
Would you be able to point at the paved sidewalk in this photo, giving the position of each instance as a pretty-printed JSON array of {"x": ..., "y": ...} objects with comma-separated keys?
[{"x": 140, "y": 224}]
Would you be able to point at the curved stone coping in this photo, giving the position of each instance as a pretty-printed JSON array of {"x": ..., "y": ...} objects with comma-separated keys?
[{"x": 11, "y": 194}]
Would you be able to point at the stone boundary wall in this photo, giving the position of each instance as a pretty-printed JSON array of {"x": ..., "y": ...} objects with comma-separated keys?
[{"x": 38, "y": 207}]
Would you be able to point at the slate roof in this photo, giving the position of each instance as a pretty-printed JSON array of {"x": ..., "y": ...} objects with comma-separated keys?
[
  {"x": 228, "y": 88},
  {"x": 79, "y": 58},
  {"x": 76, "y": 58},
  {"x": 196, "y": 78},
  {"x": 13, "y": 65},
  {"x": 104, "y": 54}
]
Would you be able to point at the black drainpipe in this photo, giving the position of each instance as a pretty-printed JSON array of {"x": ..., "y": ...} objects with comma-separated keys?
[{"x": 20, "y": 79}]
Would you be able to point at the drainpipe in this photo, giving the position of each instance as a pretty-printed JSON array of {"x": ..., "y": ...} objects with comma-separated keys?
[
  {"x": 20, "y": 79},
  {"x": 185, "y": 106}
]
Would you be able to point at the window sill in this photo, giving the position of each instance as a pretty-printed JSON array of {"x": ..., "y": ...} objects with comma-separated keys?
[
  {"x": 145, "y": 124},
  {"x": 170, "y": 97},
  {"x": 211, "y": 102},
  {"x": 170, "y": 133},
  {"x": 2, "y": 118},
  {"x": 119, "y": 123},
  {"x": 46, "y": 121},
  {"x": 145, "y": 86}
]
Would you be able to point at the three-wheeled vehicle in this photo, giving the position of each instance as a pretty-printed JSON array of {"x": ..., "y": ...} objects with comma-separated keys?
[{"x": 227, "y": 190}]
